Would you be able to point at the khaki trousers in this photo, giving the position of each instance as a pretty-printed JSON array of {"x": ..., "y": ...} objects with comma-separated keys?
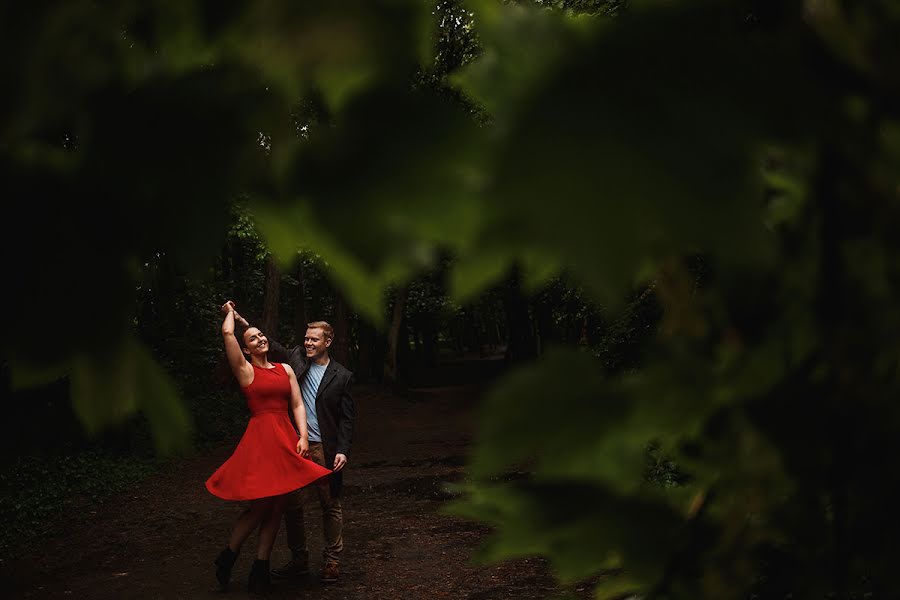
[{"x": 332, "y": 518}]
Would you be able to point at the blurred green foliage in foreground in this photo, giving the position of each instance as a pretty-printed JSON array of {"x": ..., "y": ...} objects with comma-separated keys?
[{"x": 618, "y": 142}]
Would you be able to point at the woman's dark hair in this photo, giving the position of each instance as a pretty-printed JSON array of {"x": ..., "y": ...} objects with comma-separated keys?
[{"x": 239, "y": 331}]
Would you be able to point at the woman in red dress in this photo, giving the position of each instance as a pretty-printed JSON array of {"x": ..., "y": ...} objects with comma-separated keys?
[{"x": 270, "y": 460}]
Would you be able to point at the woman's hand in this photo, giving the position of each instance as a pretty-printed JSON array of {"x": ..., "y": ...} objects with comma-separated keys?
[
  {"x": 303, "y": 447},
  {"x": 229, "y": 307}
]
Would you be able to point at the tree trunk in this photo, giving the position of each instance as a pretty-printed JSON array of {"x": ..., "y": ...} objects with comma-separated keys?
[
  {"x": 521, "y": 346},
  {"x": 394, "y": 337},
  {"x": 429, "y": 342},
  {"x": 414, "y": 325},
  {"x": 366, "y": 358},
  {"x": 301, "y": 317},
  {"x": 543, "y": 313},
  {"x": 225, "y": 261},
  {"x": 239, "y": 274},
  {"x": 270, "y": 300},
  {"x": 340, "y": 347}
]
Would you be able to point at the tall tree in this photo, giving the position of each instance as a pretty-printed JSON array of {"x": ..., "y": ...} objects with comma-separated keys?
[
  {"x": 301, "y": 317},
  {"x": 521, "y": 345},
  {"x": 396, "y": 336},
  {"x": 340, "y": 347},
  {"x": 367, "y": 352},
  {"x": 271, "y": 297}
]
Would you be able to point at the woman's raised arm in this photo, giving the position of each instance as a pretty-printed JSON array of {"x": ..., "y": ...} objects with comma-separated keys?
[{"x": 242, "y": 370}]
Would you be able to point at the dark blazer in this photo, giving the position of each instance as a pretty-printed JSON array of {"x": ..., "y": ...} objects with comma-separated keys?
[
  {"x": 334, "y": 405},
  {"x": 296, "y": 357}
]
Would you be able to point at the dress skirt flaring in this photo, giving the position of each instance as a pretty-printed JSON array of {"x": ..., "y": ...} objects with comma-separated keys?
[{"x": 265, "y": 462}]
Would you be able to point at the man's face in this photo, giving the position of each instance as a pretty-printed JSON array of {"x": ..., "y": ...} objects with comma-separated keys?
[{"x": 316, "y": 343}]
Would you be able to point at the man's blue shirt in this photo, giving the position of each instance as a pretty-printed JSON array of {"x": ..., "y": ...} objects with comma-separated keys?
[{"x": 310, "y": 388}]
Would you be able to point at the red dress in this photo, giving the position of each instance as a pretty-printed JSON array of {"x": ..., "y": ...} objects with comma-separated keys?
[{"x": 265, "y": 462}]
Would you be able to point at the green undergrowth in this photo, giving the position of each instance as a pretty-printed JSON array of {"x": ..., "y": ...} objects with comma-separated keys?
[
  {"x": 41, "y": 494},
  {"x": 42, "y": 489}
]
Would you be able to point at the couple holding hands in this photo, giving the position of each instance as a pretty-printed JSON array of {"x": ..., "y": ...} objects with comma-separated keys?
[{"x": 298, "y": 435}]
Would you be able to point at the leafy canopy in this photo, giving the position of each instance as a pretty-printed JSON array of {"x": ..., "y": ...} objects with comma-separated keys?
[{"x": 762, "y": 136}]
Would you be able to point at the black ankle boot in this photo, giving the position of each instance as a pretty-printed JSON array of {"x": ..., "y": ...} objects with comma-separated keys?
[
  {"x": 224, "y": 563},
  {"x": 259, "y": 582}
]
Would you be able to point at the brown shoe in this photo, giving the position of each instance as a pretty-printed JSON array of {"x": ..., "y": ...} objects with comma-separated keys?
[
  {"x": 330, "y": 572},
  {"x": 295, "y": 567}
]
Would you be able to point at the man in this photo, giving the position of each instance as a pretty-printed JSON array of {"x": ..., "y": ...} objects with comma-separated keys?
[{"x": 325, "y": 387}]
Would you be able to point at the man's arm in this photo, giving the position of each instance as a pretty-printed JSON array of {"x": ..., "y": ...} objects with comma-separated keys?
[{"x": 277, "y": 352}]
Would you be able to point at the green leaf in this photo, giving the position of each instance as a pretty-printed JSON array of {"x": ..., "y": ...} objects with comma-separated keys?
[
  {"x": 476, "y": 272},
  {"x": 616, "y": 587},
  {"x": 600, "y": 425},
  {"x": 109, "y": 387},
  {"x": 25, "y": 374},
  {"x": 339, "y": 50},
  {"x": 583, "y": 529}
]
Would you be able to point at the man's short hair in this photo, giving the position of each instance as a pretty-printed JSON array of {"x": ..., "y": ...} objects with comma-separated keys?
[{"x": 325, "y": 326}]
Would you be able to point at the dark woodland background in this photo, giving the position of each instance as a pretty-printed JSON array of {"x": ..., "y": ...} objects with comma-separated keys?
[{"x": 667, "y": 229}]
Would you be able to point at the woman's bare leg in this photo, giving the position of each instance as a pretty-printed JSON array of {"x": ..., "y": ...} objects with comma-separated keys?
[
  {"x": 268, "y": 528},
  {"x": 247, "y": 522}
]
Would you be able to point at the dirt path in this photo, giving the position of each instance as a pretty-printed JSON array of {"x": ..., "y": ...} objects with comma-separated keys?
[{"x": 159, "y": 540}]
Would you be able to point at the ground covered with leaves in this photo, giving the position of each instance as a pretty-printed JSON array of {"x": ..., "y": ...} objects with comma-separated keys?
[{"x": 158, "y": 538}]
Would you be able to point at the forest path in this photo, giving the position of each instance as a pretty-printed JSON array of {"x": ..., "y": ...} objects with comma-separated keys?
[{"x": 159, "y": 539}]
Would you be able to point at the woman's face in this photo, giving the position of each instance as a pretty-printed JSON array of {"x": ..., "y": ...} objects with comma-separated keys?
[{"x": 255, "y": 342}]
